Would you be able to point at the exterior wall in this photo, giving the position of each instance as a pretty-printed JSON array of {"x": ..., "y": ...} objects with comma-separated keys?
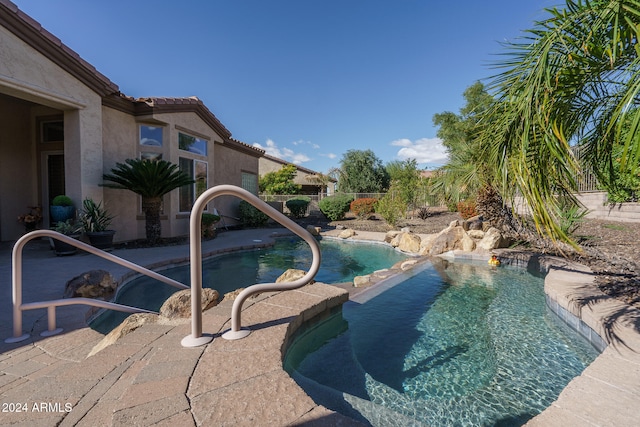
[
  {"x": 599, "y": 208},
  {"x": 29, "y": 76},
  {"x": 230, "y": 164},
  {"x": 596, "y": 203},
  {"x": 18, "y": 184},
  {"x": 121, "y": 141}
]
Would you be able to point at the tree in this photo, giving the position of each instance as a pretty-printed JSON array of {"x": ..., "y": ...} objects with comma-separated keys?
[
  {"x": 280, "y": 182},
  {"x": 574, "y": 78},
  {"x": 470, "y": 172},
  {"x": 362, "y": 172},
  {"x": 151, "y": 179},
  {"x": 405, "y": 178}
]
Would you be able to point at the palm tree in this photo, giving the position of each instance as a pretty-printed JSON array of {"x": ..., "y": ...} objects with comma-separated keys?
[
  {"x": 151, "y": 179},
  {"x": 572, "y": 79}
]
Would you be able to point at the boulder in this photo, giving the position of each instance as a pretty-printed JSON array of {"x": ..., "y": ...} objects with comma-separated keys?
[
  {"x": 492, "y": 240},
  {"x": 361, "y": 281},
  {"x": 129, "y": 325},
  {"x": 345, "y": 234},
  {"x": 476, "y": 234},
  {"x": 451, "y": 238},
  {"x": 391, "y": 235},
  {"x": 292, "y": 275},
  {"x": 98, "y": 284},
  {"x": 315, "y": 231},
  {"x": 409, "y": 242},
  {"x": 178, "y": 305}
]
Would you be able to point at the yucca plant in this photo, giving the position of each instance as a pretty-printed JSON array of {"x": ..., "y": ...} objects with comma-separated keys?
[{"x": 151, "y": 179}]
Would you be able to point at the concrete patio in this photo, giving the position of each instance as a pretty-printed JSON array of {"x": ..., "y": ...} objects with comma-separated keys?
[{"x": 148, "y": 378}]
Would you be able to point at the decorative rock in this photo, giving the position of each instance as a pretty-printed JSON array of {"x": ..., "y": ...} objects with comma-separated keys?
[
  {"x": 474, "y": 225},
  {"x": 97, "y": 284},
  {"x": 292, "y": 275},
  {"x": 492, "y": 240},
  {"x": 315, "y": 231},
  {"x": 232, "y": 295},
  {"x": 361, "y": 281},
  {"x": 449, "y": 239},
  {"x": 340, "y": 227},
  {"x": 178, "y": 305},
  {"x": 408, "y": 264},
  {"x": 405, "y": 230},
  {"x": 391, "y": 235},
  {"x": 129, "y": 325},
  {"x": 345, "y": 234},
  {"x": 476, "y": 234},
  {"x": 409, "y": 242}
]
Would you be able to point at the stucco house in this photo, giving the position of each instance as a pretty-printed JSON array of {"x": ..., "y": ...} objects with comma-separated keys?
[{"x": 63, "y": 125}]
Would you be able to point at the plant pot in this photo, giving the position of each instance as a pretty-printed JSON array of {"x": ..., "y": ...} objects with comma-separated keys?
[
  {"x": 101, "y": 239},
  {"x": 62, "y": 248},
  {"x": 61, "y": 213}
]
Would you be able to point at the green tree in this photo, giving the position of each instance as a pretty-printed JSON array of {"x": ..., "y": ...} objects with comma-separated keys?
[
  {"x": 470, "y": 173},
  {"x": 407, "y": 177},
  {"x": 280, "y": 181},
  {"x": 151, "y": 179},
  {"x": 573, "y": 78},
  {"x": 362, "y": 172}
]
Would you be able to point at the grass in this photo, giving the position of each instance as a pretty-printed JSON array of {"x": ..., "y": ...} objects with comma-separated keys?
[{"x": 615, "y": 227}]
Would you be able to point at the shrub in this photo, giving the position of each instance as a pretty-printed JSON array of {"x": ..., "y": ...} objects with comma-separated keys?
[
  {"x": 250, "y": 216},
  {"x": 208, "y": 222},
  {"x": 391, "y": 208},
  {"x": 363, "y": 207},
  {"x": 298, "y": 206},
  {"x": 467, "y": 209},
  {"x": 335, "y": 207},
  {"x": 424, "y": 213},
  {"x": 62, "y": 200}
]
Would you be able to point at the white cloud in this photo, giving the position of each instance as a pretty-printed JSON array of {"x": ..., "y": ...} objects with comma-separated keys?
[
  {"x": 424, "y": 150},
  {"x": 302, "y": 142},
  {"x": 272, "y": 149},
  {"x": 404, "y": 142}
]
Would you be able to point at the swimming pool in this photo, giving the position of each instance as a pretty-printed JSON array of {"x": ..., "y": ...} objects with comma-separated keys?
[
  {"x": 341, "y": 262},
  {"x": 456, "y": 344}
]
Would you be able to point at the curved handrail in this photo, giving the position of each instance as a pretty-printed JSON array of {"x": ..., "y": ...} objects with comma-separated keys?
[
  {"x": 195, "y": 227},
  {"x": 16, "y": 267}
]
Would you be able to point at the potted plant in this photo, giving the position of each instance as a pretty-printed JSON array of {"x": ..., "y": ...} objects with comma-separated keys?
[
  {"x": 95, "y": 220},
  {"x": 61, "y": 209},
  {"x": 209, "y": 221},
  {"x": 68, "y": 228},
  {"x": 32, "y": 218}
]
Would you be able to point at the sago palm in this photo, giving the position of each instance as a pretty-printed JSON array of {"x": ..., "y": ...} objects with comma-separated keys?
[{"x": 151, "y": 179}]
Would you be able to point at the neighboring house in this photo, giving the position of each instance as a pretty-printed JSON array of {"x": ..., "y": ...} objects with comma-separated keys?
[
  {"x": 304, "y": 177},
  {"x": 63, "y": 124}
]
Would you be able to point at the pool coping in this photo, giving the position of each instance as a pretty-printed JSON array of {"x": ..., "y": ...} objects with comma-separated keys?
[{"x": 148, "y": 378}]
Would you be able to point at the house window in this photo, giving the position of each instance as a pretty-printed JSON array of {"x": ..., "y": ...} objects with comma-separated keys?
[
  {"x": 52, "y": 131},
  {"x": 250, "y": 182},
  {"x": 151, "y": 135},
  {"x": 197, "y": 170},
  {"x": 192, "y": 144}
]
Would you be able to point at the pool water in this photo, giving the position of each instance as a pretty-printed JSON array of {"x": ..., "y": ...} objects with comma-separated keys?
[
  {"x": 454, "y": 345},
  {"x": 341, "y": 262}
]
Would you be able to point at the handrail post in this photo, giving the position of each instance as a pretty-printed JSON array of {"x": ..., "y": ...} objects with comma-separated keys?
[
  {"x": 196, "y": 338},
  {"x": 16, "y": 283},
  {"x": 16, "y": 278}
]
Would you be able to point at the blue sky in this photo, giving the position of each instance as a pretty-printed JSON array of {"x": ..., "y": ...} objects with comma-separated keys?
[{"x": 306, "y": 80}]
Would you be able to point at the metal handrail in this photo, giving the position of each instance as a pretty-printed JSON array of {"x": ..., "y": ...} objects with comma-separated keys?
[
  {"x": 196, "y": 337},
  {"x": 19, "y": 307}
]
